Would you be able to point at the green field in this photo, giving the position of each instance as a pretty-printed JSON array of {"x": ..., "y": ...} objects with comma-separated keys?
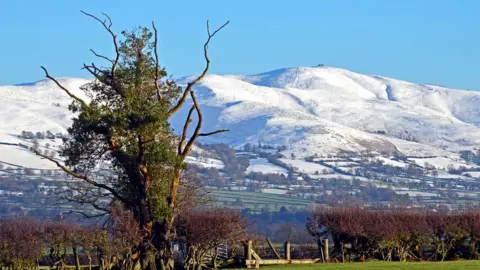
[
  {"x": 257, "y": 201},
  {"x": 459, "y": 265}
]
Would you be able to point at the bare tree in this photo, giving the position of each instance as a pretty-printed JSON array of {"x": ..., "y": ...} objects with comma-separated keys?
[{"x": 206, "y": 229}]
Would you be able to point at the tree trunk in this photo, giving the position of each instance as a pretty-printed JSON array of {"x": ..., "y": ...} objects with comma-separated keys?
[
  {"x": 147, "y": 259},
  {"x": 215, "y": 257},
  {"x": 89, "y": 256},
  {"x": 200, "y": 259},
  {"x": 77, "y": 259},
  {"x": 342, "y": 246},
  {"x": 102, "y": 259},
  {"x": 474, "y": 251},
  {"x": 190, "y": 259},
  {"x": 162, "y": 242}
]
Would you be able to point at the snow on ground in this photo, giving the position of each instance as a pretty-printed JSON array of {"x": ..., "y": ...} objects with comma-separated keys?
[
  {"x": 414, "y": 193},
  {"x": 409, "y": 148},
  {"x": 411, "y": 193},
  {"x": 349, "y": 168},
  {"x": 22, "y": 157},
  {"x": 263, "y": 166},
  {"x": 440, "y": 162},
  {"x": 337, "y": 176},
  {"x": 311, "y": 110},
  {"x": 205, "y": 162},
  {"x": 318, "y": 110},
  {"x": 274, "y": 191},
  {"x": 305, "y": 166},
  {"x": 341, "y": 163},
  {"x": 392, "y": 162},
  {"x": 475, "y": 174},
  {"x": 326, "y": 159},
  {"x": 446, "y": 175}
]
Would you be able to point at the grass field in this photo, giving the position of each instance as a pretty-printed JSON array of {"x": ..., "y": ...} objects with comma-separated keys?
[
  {"x": 459, "y": 265},
  {"x": 257, "y": 201}
]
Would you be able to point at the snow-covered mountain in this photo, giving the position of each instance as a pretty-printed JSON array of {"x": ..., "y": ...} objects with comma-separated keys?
[
  {"x": 311, "y": 110},
  {"x": 320, "y": 110}
]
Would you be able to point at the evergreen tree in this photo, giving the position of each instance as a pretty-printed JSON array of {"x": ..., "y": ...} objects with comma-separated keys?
[{"x": 125, "y": 124}]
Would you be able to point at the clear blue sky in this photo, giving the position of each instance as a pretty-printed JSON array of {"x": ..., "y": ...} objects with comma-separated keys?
[{"x": 427, "y": 41}]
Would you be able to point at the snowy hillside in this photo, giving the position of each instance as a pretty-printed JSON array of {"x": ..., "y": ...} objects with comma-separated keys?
[
  {"x": 323, "y": 110},
  {"x": 310, "y": 110}
]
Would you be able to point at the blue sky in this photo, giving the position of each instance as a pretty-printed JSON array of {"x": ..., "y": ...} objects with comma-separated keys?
[{"x": 425, "y": 41}]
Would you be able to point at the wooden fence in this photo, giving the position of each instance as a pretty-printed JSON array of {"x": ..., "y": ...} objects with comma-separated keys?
[{"x": 253, "y": 260}]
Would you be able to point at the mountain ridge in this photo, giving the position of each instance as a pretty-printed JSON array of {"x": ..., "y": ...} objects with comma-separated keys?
[
  {"x": 310, "y": 110},
  {"x": 434, "y": 106}
]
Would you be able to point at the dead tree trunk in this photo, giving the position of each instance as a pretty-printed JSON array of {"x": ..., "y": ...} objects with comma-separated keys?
[{"x": 77, "y": 259}]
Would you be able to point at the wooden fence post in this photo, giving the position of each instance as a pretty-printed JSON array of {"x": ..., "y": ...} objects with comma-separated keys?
[
  {"x": 287, "y": 250},
  {"x": 248, "y": 254},
  {"x": 325, "y": 249},
  {"x": 273, "y": 249},
  {"x": 249, "y": 250}
]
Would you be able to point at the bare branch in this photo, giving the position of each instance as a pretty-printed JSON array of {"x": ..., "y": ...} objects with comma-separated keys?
[
  {"x": 92, "y": 69},
  {"x": 185, "y": 130},
  {"x": 85, "y": 215},
  {"x": 216, "y": 31},
  {"x": 114, "y": 37},
  {"x": 157, "y": 87},
  {"x": 82, "y": 177},
  {"x": 109, "y": 20},
  {"x": 213, "y": 132},
  {"x": 190, "y": 85},
  {"x": 102, "y": 56},
  {"x": 63, "y": 88},
  {"x": 81, "y": 200},
  {"x": 190, "y": 142}
]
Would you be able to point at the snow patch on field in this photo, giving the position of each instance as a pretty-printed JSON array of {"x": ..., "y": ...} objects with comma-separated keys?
[
  {"x": 305, "y": 166},
  {"x": 262, "y": 165},
  {"x": 341, "y": 163},
  {"x": 274, "y": 191},
  {"x": 392, "y": 162},
  {"x": 440, "y": 162},
  {"x": 21, "y": 157},
  {"x": 475, "y": 174},
  {"x": 413, "y": 193},
  {"x": 205, "y": 162}
]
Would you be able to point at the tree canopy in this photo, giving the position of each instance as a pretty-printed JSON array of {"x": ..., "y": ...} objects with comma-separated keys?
[{"x": 124, "y": 125}]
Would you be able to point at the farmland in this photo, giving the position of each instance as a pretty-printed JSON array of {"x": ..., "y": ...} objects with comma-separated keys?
[{"x": 258, "y": 201}]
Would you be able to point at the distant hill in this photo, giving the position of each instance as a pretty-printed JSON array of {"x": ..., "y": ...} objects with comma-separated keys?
[{"x": 308, "y": 110}]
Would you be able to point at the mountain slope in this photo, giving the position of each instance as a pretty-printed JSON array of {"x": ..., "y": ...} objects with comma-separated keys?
[
  {"x": 323, "y": 110},
  {"x": 311, "y": 110}
]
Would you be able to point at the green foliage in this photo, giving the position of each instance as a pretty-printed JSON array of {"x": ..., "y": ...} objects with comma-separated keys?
[{"x": 126, "y": 124}]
